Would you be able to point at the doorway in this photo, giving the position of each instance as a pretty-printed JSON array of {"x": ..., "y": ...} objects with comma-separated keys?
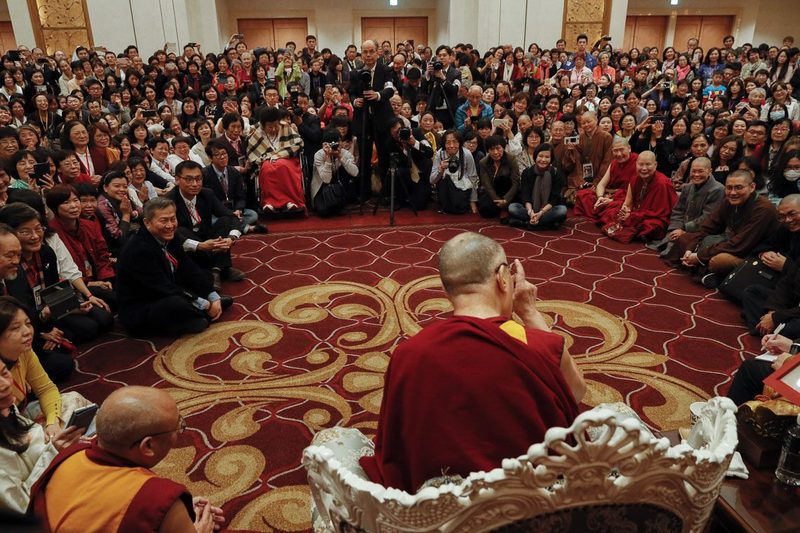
[
  {"x": 395, "y": 29},
  {"x": 274, "y": 32}
]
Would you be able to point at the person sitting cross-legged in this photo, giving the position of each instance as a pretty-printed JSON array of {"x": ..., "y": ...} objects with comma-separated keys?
[
  {"x": 108, "y": 485},
  {"x": 698, "y": 199},
  {"x": 613, "y": 185},
  {"x": 227, "y": 184},
  {"x": 160, "y": 289},
  {"x": 206, "y": 228},
  {"x": 648, "y": 204},
  {"x": 729, "y": 234},
  {"x": 540, "y": 191}
]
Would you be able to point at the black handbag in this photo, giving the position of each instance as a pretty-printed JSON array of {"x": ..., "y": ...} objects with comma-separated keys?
[
  {"x": 751, "y": 272},
  {"x": 330, "y": 198}
]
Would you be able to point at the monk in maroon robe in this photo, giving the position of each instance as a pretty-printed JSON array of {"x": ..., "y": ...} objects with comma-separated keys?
[
  {"x": 591, "y": 203},
  {"x": 470, "y": 391},
  {"x": 647, "y": 207}
]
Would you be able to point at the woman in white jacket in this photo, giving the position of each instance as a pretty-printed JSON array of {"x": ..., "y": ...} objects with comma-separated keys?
[{"x": 25, "y": 450}]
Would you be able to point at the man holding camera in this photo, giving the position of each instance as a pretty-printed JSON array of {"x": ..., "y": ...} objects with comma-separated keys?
[
  {"x": 411, "y": 162},
  {"x": 370, "y": 90},
  {"x": 444, "y": 82},
  {"x": 590, "y": 153}
]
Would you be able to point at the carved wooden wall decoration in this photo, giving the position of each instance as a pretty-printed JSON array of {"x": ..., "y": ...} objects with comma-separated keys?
[
  {"x": 60, "y": 24},
  {"x": 585, "y": 16}
]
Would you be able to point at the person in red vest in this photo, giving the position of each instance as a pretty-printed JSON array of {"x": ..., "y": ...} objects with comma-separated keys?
[{"x": 108, "y": 485}]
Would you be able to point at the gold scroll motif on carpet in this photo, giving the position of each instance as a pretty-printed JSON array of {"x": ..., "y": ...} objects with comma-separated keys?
[{"x": 395, "y": 310}]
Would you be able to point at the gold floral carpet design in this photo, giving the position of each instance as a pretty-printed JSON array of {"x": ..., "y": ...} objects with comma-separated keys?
[{"x": 313, "y": 328}]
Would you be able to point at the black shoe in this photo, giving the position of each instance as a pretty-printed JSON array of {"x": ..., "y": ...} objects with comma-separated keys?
[
  {"x": 516, "y": 223},
  {"x": 711, "y": 281},
  {"x": 217, "y": 280},
  {"x": 505, "y": 221},
  {"x": 233, "y": 274},
  {"x": 226, "y": 301},
  {"x": 259, "y": 228}
]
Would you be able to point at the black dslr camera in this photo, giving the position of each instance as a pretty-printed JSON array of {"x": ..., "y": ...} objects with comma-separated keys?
[
  {"x": 452, "y": 164},
  {"x": 404, "y": 134},
  {"x": 365, "y": 80},
  {"x": 334, "y": 146},
  {"x": 436, "y": 64}
]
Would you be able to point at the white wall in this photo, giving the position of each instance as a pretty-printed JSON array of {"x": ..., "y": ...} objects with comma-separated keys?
[
  {"x": 757, "y": 21},
  {"x": 21, "y": 22},
  {"x": 462, "y": 22},
  {"x": 544, "y": 22},
  {"x": 112, "y": 25},
  {"x": 616, "y": 24},
  {"x": 336, "y": 23},
  {"x": 775, "y": 20}
]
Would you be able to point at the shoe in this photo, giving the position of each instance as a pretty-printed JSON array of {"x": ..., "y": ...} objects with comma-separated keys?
[
  {"x": 269, "y": 208},
  {"x": 259, "y": 228},
  {"x": 226, "y": 301},
  {"x": 233, "y": 274},
  {"x": 711, "y": 281},
  {"x": 504, "y": 221},
  {"x": 293, "y": 207},
  {"x": 516, "y": 223},
  {"x": 217, "y": 283}
]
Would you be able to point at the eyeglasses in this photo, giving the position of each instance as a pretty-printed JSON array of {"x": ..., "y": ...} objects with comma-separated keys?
[
  {"x": 788, "y": 216},
  {"x": 28, "y": 233},
  {"x": 180, "y": 429},
  {"x": 191, "y": 179}
]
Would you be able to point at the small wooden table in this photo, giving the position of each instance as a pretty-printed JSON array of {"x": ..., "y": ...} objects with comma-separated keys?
[{"x": 758, "y": 504}]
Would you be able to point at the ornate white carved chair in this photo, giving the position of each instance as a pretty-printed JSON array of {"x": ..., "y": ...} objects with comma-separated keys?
[{"x": 622, "y": 479}]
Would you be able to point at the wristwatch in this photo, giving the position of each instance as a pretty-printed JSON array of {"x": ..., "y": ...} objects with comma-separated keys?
[{"x": 794, "y": 348}]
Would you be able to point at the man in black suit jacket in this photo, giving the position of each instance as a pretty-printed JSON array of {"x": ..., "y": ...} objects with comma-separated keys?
[
  {"x": 442, "y": 87},
  {"x": 206, "y": 228},
  {"x": 227, "y": 185},
  {"x": 372, "y": 99},
  {"x": 160, "y": 290}
]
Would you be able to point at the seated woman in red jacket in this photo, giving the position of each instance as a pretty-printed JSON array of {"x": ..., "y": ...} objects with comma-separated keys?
[{"x": 83, "y": 240}]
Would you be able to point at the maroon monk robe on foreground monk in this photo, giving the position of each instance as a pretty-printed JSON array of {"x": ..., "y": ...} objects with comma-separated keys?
[
  {"x": 647, "y": 207},
  {"x": 591, "y": 203},
  {"x": 468, "y": 392}
]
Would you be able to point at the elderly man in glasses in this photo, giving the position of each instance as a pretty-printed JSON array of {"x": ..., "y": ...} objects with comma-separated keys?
[
  {"x": 468, "y": 391},
  {"x": 108, "y": 485}
]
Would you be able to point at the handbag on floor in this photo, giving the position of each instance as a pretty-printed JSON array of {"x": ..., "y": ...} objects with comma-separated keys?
[{"x": 751, "y": 272}]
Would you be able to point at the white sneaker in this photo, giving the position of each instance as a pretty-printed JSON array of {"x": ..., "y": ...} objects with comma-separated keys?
[
  {"x": 292, "y": 206},
  {"x": 269, "y": 207}
]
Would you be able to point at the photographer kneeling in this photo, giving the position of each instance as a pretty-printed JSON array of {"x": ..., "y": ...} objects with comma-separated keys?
[
  {"x": 455, "y": 177},
  {"x": 410, "y": 159},
  {"x": 334, "y": 169}
]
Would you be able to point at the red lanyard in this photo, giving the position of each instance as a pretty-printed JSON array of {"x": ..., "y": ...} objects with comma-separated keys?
[{"x": 33, "y": 272}]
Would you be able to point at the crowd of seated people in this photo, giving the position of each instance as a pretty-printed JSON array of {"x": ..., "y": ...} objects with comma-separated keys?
[{"x": 131, "y": 176}]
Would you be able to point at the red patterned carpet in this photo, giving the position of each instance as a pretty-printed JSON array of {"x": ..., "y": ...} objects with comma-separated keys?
[{"x": 309, "y": 337}]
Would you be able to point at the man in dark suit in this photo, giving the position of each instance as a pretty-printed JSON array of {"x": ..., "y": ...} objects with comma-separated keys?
[
  {"x": 228, "y": 186},
  {"x": 351, "y": 63},
  {"x": 161, "y": 291},
  {"x": 371, "y": 105},
  {"x": 443, "y": 85},
  {"x": 206, "y": 228}
]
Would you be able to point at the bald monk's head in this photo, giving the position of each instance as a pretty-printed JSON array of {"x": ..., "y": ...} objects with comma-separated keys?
[
  {"x": 138, "y": 423},
  {"x": 789, "y": 212},
  {"x": 467, "y": 262}
]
